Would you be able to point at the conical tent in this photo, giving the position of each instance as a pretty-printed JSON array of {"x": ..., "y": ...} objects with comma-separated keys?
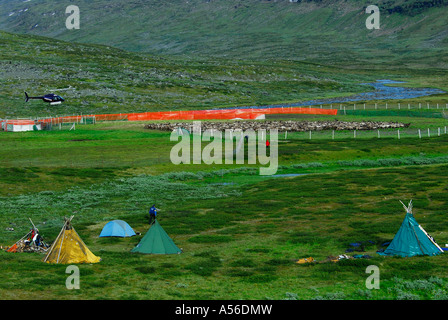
[
  {"x": 117, "y": 228},
  {"x": 68, "y": 248},
  {"x": 411, "y": 239},
  {"x": 156, "y": 241}
]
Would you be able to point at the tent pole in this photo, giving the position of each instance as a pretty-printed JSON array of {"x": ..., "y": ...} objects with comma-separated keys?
[
  {"x": 416, "y": 237},
  {"x": 60, "y": 247},
  {"x": 21, "y": 239},
  {"x": 54, "y": 243},
  {"x": 424, "y": 231},
  {"x": 33, "y": 224},
  {"x": 62, "y": 241},
  {"x": 405, "y": 208}
]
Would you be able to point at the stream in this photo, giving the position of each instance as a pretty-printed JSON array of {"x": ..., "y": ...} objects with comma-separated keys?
[{"x": 382, "y": 92}]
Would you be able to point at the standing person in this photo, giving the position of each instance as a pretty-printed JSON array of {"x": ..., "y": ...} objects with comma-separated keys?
[
  {"x": 152, "y": 214},
  {"x": 36, "y": 238}
]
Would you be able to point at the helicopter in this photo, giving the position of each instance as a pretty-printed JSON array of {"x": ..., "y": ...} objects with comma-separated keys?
[{"x": 50, "y": 98}]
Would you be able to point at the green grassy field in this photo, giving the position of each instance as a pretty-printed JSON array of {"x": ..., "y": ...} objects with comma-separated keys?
[{"x": 240, "y": 232}]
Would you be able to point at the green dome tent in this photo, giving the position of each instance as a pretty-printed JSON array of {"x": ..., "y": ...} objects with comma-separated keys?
[
  {"x": 156, "y": 241},
  {"x": 411, "y": 239}
]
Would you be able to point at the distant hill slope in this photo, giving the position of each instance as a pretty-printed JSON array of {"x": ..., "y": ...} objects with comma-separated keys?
[
  {"x": 102, "y": 79},
  {"x": 329, "y": 31}
]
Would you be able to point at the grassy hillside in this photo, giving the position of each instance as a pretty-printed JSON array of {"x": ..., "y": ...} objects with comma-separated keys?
[
  {"x": 103, "y": 79},
  {"x": 328, "y": 31}
]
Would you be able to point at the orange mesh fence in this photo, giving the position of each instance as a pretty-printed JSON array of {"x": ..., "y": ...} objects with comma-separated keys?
[
  {"x": 195, "y": 115},
  {"x": 219, "y": 114},
  {"x": 98, "y": 117},
  {"x": 225, "y": 114}
]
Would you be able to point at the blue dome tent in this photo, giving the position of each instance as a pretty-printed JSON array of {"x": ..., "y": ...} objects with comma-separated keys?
[{"x": 117, "y": 228}]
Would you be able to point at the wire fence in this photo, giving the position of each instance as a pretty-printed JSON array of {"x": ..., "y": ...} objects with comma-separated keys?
[
  {"x": 420, "y": 109},
  {"x": 385, "y": 106},
  {"x": 365, "y": 134}
]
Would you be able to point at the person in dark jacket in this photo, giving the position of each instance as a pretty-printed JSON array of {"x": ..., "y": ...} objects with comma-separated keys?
[{"x": 152, "y": 214}]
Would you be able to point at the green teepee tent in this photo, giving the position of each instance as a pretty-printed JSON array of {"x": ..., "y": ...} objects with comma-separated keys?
[
  {"x": 156, "y": 241},
  {"x": 411, "y": 239}
]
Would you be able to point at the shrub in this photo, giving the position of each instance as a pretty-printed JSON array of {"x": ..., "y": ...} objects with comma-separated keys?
[
  {"x": 355, "y": 263},
  {"x": 146, "y": 269},
  {"x": 440, "y": 294},
  {"x": 402, "y": 295},
  {"x": 291, "y": 296},
  {"x": 423, "y": 285},
  {"x": 366, "y": 294},
  {"x": 331, "y": 296},
  {"x": 260, "y": 278},
  {"x": 210, "y": 239},
  {"x": 248, "y": 263},
  {"x": 205, "y": 267},
  {"x": 278, "y": 262}
]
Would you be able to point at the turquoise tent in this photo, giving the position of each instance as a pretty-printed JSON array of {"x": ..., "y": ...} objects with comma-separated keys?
[
  {"x": 411, "y": 239},
  {"x": 117, "y": 228},
  {"x": 156, "y": 241}
]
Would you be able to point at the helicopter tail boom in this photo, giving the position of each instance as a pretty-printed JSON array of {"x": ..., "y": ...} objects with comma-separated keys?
[{"x": 28, "y": 98}]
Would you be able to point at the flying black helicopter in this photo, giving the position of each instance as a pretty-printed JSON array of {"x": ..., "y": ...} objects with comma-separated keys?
[{"x": 50, "y": 98}]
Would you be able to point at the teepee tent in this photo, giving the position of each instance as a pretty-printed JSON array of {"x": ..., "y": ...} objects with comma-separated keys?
[
  {"x": 411, "y": 239},
  {"x": 117, "y": 228},
  {"x": 156, "y": 241},
  {"x": 68, "y": 248}
]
